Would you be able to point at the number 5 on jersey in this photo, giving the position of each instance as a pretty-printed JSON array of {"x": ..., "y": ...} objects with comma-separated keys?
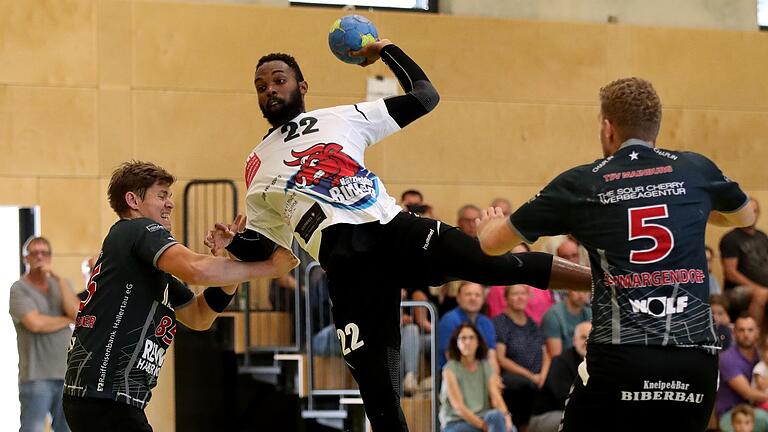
[
  {"x": 354, "y": 332},
  {"x": 640, "y": 228}
]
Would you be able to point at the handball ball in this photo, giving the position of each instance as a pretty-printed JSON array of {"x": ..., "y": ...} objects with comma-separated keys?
[{"x": 351, "y": 32}]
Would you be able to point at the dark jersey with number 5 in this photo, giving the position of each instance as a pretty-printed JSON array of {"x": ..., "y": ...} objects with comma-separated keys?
[
  {"x": 127, "y": 322},
  {"x": 641, "y": 214}
]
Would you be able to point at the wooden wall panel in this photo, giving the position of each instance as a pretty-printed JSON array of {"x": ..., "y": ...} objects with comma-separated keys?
[
  {"x": 18, "y": 191},
  {"x": 196, "y": 135},
  {"x": 49, "y": 42},
  {"x": 69, "y": 210},
  {"x": 48, "y": 131}
]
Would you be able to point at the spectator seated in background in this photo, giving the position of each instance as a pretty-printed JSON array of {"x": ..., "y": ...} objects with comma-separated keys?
[
  {"x": 743, "y": 418},
  {"x": 469, "y": 398},
  {"x": 723, "y": 326},
  {"x": 539, "y": 301},
  {"x": 760, "y": 375},
  {"x": 561, "y": 320},
  {"x": 736, "y": 365},
  {"x": 414, "y": 345},
  {"x": 521, "y": 354},
  {"x": 411, "y": 197},
  {"x": 503, "y": 204},
  {"x": 744, "y": 252},
  {"x": 466, "y": 219},
  {"x": 714, "y": 284},
  {"x": 549, "y": 404},
  {"x": 470, "y": 300}
]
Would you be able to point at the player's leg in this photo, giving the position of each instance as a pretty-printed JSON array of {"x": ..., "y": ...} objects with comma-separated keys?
[
  {"x": 662, "y": 391},
  {"x": 369, "y": 331},
  {"x": 99, "y": 415},
  {"x": 428, "y": 251}
]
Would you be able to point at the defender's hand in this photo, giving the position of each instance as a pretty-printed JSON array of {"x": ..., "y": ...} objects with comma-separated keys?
[
  {"x": 221, "y": 236},
  {"x": 370, "y": 51}
]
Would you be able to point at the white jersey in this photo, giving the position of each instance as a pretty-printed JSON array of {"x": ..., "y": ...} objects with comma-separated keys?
[{"x": 309, "y": 174}]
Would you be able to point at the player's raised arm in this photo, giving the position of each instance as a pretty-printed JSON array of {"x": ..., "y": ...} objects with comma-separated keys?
[{"x": 421, "y": 96}]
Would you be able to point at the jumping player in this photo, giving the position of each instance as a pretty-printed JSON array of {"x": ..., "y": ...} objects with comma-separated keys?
[
  {"x": 641, "y": 212},
  {"x": 307, "y": 180},
  {"x": 127, "y": 319}
]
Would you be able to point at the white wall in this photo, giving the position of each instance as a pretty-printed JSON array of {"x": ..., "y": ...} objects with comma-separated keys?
[{"x": 9, "y": 361}]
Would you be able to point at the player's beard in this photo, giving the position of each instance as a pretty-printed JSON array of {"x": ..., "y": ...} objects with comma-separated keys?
[{"x": 289, "y": 109}]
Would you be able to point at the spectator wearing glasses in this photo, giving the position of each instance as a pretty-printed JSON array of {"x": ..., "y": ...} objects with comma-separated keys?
[{"x": 42, "y": 307}]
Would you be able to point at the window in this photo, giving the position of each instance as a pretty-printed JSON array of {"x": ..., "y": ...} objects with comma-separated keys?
[{"x": 417, "y": 5}]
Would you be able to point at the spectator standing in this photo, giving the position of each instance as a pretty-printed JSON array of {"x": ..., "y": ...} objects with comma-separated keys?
[{"x": 42, "y": 306}]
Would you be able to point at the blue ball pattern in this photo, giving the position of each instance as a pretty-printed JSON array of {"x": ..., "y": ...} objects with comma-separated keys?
[{"x": 351, "y": 32}]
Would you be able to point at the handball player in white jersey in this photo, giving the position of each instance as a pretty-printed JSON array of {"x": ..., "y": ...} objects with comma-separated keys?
[{"x": 307, "y": 182}]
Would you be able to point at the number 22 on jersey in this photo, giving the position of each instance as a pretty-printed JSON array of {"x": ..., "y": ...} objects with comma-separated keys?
[{"x": 640, "y": 228}]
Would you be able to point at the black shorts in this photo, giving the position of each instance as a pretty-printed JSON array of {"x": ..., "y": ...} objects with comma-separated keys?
[
  {"x": 643, "y": 388},
  {"x": 368, "y": 264},
  {"x": 86, "y": 414}
]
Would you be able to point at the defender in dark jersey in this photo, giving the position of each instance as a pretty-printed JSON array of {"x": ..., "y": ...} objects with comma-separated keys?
[
  {"x": 641, "y": 213},
  {"x": 127, "y": 319},
  {"x": 307, "y": 183}
]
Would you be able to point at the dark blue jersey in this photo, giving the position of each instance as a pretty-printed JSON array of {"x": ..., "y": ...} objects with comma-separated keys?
[
  {"x": 641, "y": 214},
  {"x": 126, "y": 321}
]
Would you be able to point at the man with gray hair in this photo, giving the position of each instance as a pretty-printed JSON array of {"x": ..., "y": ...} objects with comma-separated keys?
[{"x": 42, "y": 306}]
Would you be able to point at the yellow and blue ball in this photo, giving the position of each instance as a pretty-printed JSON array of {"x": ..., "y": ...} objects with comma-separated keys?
[{"x": 350, "y": 33}]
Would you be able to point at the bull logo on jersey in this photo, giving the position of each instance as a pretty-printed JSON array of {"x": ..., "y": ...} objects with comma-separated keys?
[{"x": 324, "y": 170}]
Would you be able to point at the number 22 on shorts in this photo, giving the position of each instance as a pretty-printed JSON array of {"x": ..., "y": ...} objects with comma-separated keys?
[{"x": 353, "y": 331}]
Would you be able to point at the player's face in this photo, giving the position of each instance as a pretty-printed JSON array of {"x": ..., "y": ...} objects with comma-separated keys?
[
  {"x": 470, "y": 298},
  {"x": 517, "y": 297},
  {"x": 281, "y": 96},
  {"x": 467, "y": 342},
  {"x": 742, "y": 423},
  {"x": 157, "y": 204},
  {"x": 745, "y": 333}
]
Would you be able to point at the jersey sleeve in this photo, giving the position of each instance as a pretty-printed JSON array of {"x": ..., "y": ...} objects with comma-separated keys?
[
  {"x": 371, "y": 121},
  {"x": 150, "y": 240},
  {"x": 726, "y": 195},
  {"x": 548, "y": 212},
  {"x": 179, "y": 295},
  {"x": 20, "y": 304}
]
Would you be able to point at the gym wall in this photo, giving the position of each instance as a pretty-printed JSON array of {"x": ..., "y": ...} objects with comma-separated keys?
[{"x": 86, "y": 84}]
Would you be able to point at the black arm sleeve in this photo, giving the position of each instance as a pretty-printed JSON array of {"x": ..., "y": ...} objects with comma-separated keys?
[
  {"x": 251, "y": 246},
  {"x": 420, "y": 98}
]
